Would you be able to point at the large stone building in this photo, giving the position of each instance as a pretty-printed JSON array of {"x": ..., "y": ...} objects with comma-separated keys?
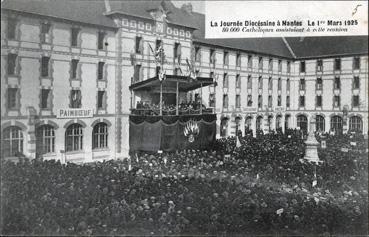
[{"x": 67, "y": 68}]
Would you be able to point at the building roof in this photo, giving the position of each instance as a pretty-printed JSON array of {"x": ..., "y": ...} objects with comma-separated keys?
[
  {"x": 313, "y": 47},
  {"x": 87, "y": 11}
]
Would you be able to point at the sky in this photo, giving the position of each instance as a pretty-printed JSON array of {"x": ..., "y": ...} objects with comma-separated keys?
[{"x": 197, "y": 6}]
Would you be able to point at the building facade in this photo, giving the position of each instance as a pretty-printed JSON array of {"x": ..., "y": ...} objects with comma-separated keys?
[{"x": 66, "y": 69}]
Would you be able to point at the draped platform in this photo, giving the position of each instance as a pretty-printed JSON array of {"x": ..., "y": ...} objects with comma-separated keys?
[{"x": 153, "y": 133}]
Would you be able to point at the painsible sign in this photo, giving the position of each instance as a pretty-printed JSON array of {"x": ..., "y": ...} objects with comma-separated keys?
[
  {"x": 248, "y": 19},
  {"x": 75, "y": 113}
]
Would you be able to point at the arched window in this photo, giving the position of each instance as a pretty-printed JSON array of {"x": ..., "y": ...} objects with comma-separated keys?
[
  {"x": 248, "y": 123},
  {"x": 12, "y": 141},
  {"x": 45, "y": 139},
  {"x": 278, "y": 122},
  {"x": 270, "y": 120},
  {"x": 287, "y": 122},
  {"x": 320, "y": 123},
  {"x": 302, "y": 123},
  {"x": 223, "y": 127},
  {"x": 238, "y": 123},
  {"x": 100, "y": 136},
  {"x": 356, "y": 124},
  {"x": 336, "y": 124},
  {"x": 258, "y": 122},
  {"x": 74, "y": 137}
]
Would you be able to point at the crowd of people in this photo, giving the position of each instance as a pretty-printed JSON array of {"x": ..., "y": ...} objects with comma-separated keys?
[
  {"x": 262, "y": 186},
  {"x": 146, "y": 108}
]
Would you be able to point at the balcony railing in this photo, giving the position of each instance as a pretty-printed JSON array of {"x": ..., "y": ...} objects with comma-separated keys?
[{"x": 171, "y": 111}]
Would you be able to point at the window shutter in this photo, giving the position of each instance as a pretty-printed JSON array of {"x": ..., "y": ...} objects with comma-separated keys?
[
  {"x": 49, "y": 101},
  {"x": 71, "y": 99},
  {"x": 105, "y": 100},
  {"x": 79, "y": 99},
  {"x": 179, "y": 50},
  {"x": 141, "y": 45},
  {"x": 141, "y": 73}
]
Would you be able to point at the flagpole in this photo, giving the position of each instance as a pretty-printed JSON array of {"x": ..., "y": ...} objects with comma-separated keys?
[
  {"x": 161, "y": 80},
  {"x": 177, "y": 102},
  {"x": 161, "y": 98},
  {"x": 201, "y": 98}
]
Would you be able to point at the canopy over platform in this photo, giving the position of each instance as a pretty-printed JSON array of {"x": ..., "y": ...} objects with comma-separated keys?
[{"x": 185, "y": 83}]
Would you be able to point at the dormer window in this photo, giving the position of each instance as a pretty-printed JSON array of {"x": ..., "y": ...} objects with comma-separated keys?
[
  {"x": 74, "y": 37},
  {"x": 45, "y": 33},
  {"x": 12, "y": 28},
  {"x": 226, "y": 58},
  {"x": 101, "y": 40}
]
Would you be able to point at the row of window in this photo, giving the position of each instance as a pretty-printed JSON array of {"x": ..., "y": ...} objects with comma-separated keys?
[
  {"x": 138, "y": 73},
  {"x": 318, "y": 101},
  {"x": 319, "y": 63},
  {"x": 45, "y": 135},
  {"x": 336, "y": 101},
  {"x": 337, "y": 65},
  {"x": 45, "y": 36},
  {"x": 302, "y": 84},
  {"x": 12, "y": 63},
  {"x": 336, "y": 83},
  {"x": 45, "y": 139},
  {"x": 212, "y": 60},
  {"x": 139, "y": 48},
  {"x": 355, "y": 123},
  {"x": 75, "y": 99}
]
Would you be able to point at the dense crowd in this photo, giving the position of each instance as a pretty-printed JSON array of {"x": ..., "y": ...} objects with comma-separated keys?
[
  {"x": 145, "y": 108},
  {"x": 263, "y": 186}
]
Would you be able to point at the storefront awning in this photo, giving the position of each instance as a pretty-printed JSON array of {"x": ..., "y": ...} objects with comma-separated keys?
[{"x": 185, "y": 83}]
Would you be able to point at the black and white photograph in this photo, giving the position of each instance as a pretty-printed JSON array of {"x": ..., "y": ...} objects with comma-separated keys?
[{"x": 184, "y": 118}]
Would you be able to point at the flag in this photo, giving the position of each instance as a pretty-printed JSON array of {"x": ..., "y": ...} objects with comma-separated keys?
[
  {"x": 162, "y": 74},
  {"x": 129, "y": 164},
  {"x": 180, "y": 69},
  {"x": 344, "y": 149},
  {"x": 279, "y": 211},
  {"x": 315, "y": 181},
  {"x": 191, "y": 70},
  {"x": 158, "y": 54},
  {"x": 238, "y": 143},
  {"x": 216, "y": 79}
]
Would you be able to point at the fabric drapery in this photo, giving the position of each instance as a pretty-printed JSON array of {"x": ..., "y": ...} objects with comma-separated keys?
[{"x": 153, "y": 133}]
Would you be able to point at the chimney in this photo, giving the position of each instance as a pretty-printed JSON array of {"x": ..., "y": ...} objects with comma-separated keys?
[
  {"x": 187, "y": 7},
  {"x": 107, "y": 5}
]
